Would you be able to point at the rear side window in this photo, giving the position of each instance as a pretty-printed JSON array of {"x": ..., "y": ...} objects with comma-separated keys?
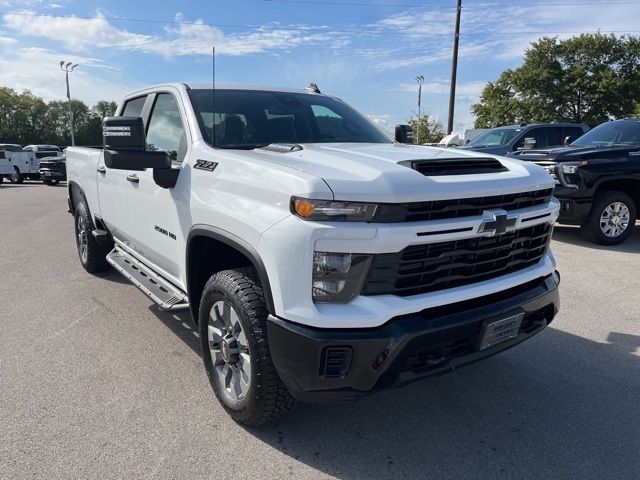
[
  {"x": 540, "y": 135},
  {"x": 133, "y": 108},
  {"x": 554, "y": 136}
]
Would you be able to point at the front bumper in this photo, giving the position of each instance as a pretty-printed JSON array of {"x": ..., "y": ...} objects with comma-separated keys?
[
  {"x": 337, "y": 365},
  {"x": 573, "y": 208},
  {"x": 55, "y": 174}
]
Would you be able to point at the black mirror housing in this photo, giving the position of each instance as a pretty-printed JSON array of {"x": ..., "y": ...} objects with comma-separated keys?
[
  {"x": 404, "y": 134},
  {"x": 123, "y": 133},
  {"x": 135, "y": 159}
]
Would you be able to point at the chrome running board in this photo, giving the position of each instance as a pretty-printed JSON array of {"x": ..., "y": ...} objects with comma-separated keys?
[{"x": 166, "y": 295}]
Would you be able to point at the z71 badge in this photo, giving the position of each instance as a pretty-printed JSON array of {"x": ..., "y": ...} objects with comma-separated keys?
[{"x": 205, "y": 165}]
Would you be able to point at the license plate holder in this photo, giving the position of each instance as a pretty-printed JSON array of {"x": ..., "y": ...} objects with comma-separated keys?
[{"x": 496, "y": 331}]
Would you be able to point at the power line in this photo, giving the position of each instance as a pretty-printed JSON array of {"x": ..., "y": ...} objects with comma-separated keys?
[
  {"x": 443, "y": 6},
  {"x": 371, "y": 29}
]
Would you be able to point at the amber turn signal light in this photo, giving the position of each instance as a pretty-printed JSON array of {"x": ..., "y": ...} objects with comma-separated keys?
[{"x": 303, "y": 207}]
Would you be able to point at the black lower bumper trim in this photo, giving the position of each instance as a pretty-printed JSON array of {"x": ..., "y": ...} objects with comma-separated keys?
[{"x": 336, "y": 365}]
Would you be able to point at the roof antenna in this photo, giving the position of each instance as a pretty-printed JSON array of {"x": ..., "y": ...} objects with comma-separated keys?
[
  {"x": 313, "y": 88},
  {"x": 213, "y": 96}
]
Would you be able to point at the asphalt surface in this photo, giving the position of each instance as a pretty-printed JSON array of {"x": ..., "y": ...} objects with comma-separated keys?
[{"x": 96, "y": 382}]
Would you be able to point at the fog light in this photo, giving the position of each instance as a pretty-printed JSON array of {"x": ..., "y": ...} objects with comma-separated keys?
[{"x": 338, "y": 277}]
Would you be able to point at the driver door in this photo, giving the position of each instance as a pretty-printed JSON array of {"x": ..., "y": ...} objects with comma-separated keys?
[{"x": 154, "y": 211}]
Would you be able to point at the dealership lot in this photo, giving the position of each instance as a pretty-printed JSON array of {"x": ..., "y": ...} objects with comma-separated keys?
[{"x": 95, "y": 381}]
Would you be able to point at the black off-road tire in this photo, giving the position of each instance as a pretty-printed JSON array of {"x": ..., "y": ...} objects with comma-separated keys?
[
  {"x": 94, "y": 260},
  {"x": 16, "y": 176},
  {"x": 268, "y": 398},
  {"x": 591, "y": 227}
]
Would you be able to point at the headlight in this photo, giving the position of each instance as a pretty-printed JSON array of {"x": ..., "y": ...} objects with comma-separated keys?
[
  {"x": 338, "y": 277},
  {"x": 568, "y": 173},
  {"x": 332, "y": 211}
]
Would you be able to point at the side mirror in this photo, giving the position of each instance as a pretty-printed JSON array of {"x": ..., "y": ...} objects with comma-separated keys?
[
  {"x": 529, "y": 143},
  {"x": 568, "y": 140},
  {"x": 404, "y": 134},
  {"x": 124, "y": 146}
]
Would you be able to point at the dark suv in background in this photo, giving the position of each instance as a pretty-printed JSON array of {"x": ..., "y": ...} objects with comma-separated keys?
[
  {"x": 506, "y": 140},
  {"x": 597, "y": 179}
]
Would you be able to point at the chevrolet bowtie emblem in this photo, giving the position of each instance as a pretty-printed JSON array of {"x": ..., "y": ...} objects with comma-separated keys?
[{"x": 497, "y": 222}]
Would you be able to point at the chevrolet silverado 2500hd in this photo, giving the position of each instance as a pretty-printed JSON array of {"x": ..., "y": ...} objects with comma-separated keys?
[{"x": 320, "y": 260}]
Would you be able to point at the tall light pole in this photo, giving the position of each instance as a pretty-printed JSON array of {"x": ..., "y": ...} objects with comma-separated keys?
[
  {"x": 454, "y": 68},
  {"x": 66, "y": 68},
  {"x": 420, "y": 80}
]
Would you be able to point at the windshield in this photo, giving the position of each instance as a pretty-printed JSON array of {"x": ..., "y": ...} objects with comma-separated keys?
[
  {"x": 11, "y": 148},
  {"x": 496, "y": 137},
  {"x": 249, "y": 119},
  {"x": 621, "y": 132}
]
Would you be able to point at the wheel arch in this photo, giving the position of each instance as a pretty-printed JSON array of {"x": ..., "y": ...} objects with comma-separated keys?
[
  {"x": 76, "y": 195},
  {"x": 231, "y": 252},
  {"x": 630, "y": 186}
]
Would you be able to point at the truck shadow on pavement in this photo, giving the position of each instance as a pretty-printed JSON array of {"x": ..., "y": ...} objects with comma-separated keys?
[
  {"x": 558, "y": 406},
  {"x": 572, "y": 235}
]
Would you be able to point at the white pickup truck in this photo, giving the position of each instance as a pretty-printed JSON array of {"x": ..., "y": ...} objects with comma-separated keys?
[
  {"x": 26, "y": 163},
  {"x": 320, "y": 260}
]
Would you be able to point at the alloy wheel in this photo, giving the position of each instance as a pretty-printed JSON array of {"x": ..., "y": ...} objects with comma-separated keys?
[
  {"x": 614, "y": 220},
  {"x": 229, "y": 351}
]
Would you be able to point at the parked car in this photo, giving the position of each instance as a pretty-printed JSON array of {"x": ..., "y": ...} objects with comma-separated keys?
[
  {"x": 458, "y": 139},
  {"x": 320, "y": 260},
  {"x": 505, "y": 140},
  {"x": 53, "y": 170},
  {"x": 6, "y": 168},
  {"x": 26, "y": 164},
  {"x": 597, "y": 180}
]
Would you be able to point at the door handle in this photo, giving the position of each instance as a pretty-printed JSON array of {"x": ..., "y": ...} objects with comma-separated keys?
[
  {"x": 133, "y": 178},
  {"x": 101, "y": 169}
]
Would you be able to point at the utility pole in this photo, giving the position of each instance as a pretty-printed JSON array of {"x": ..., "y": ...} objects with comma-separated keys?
[
  {"x": 454, "y": 69},
  {"x": 420, "y": 80},
  {"x": 66, "y": 68}
]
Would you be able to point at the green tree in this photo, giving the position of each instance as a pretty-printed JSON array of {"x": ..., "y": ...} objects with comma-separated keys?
[
  {"x": 427, "y": 130},
  {"x": 588, "y": 79},
  {"x": 26, "y": 119}
]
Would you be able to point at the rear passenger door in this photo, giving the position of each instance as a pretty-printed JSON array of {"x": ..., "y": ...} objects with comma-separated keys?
[{"x": 112, "y": 185}]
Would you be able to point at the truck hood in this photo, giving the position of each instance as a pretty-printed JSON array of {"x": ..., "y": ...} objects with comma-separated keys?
[
  {"x": 371, "y": 172},
  {"x": 571, "y": 153}
]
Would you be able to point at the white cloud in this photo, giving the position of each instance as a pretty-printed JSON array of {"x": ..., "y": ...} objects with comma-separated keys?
[
  {"x": 187, "y": 38},
  {"x": 35, "y": 69}
]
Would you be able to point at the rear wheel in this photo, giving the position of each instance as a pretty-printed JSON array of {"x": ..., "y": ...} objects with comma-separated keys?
[
  {"x": 612, "y": 218},
  {"x": 235, "y": 348},
  {"x": 16, "y": 176},
  {"x": 92, "y": 255}
]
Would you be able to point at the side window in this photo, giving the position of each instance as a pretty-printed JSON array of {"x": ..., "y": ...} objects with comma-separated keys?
[
  {"x": 540, "y": 134},
  {"x": 554, "y": 136},
  {"x": 133, "y": 108},
  {"x": 165, "y": 132}
]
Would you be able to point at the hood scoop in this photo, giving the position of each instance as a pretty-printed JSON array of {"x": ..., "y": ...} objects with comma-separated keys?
[
  {"x": 455, "y": 166},
  {"x": 282, "y": 147}
]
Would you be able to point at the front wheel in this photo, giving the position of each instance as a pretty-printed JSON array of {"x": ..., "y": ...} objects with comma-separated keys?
[
  {"x": 235, "y": 348},
  {"x": 16, "y": 176},
  {"x": 612, "y": 218}
]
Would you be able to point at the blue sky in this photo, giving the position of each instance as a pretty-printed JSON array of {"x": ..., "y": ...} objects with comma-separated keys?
[{"x": 367, "y": 53}]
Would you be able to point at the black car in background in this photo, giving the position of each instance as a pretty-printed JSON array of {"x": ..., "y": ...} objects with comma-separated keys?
[
  {"x": 53, "y": 170},
  {"x": 597, "y": 179},
  {"x": 514, "y": 138}
]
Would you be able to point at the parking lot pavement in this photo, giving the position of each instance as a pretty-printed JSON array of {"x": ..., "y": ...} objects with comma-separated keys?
[{"x": 96, "y": 382}]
